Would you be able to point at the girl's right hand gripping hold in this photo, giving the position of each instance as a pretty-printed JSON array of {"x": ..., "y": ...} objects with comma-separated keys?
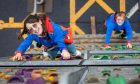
[
  {"x": 65, "y": 54},
  {"x": 18, "y": 57}
]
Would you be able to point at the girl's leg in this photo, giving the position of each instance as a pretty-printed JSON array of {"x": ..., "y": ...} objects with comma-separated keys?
[
  {"x": 72, "y": 49},
  {"x": 53, "y": 53}
]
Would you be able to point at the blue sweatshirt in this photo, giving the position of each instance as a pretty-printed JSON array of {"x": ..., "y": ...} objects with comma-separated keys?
[
  {"x": 112, "y": 25},
  {"x": 56, "y": 38}
]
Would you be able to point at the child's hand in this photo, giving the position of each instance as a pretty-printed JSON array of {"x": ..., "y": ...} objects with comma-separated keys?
[
  {"x": 17, "y": 57},
  {"x": 129, "y": 45},
  {"x": 65, "y": 54}
]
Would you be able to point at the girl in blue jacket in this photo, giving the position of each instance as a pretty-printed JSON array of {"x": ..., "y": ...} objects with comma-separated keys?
[
  {"x": 117, "y": 22},
  {"x": 48, "y": 33}
]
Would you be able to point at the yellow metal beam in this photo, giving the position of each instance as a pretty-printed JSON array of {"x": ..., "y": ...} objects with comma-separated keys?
[
  {"x": 73, "y": 25},
  {"x": 75, "y": 16},
  {"x": 77, "y": 29},
  {"x": 84, "y": 9},
  {"x": 105, "y": 6},
  {"x": 72, "y": 13},
  {"x": 123, "y": 5},
  {"x": 11, "y": 24}
]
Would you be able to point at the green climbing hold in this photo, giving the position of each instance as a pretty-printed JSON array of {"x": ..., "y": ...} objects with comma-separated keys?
[
  {"x": 106, "y": 72},
  {"x": 137, "y": 47},
  {"x": 96, "y": 56},
  {"x": 104, "y": 57},
  {"x": 133, "y": 55},
  {"x": 108, "y": 49},
  {"x": 116, "y": 80},
  {"x": 124, "y": 47},
  {"x": 137, "y": 68}
]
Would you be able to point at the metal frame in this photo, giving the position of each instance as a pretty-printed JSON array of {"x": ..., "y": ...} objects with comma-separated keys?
[
  {"x": 114, "y": 52},
  {"x": 71, "y": 63}
]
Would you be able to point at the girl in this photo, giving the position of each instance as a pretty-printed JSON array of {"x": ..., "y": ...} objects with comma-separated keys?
[{"x": 48, "y": 33}]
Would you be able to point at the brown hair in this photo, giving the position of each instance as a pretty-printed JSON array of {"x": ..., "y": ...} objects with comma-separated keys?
[
  {"x": 122, "y": 14},
  {"x": 33, "y": 19}
]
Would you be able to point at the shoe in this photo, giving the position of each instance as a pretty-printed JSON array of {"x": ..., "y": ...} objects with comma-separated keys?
[{"x": 78, "y": 53}]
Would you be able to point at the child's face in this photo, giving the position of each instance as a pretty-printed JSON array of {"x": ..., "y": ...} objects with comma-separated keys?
[
  {"x": 120, "y": 20},
  {"x": 35, "y": 28}
]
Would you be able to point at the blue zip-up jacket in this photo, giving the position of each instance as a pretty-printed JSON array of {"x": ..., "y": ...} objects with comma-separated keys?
[
  {"x": 112, "y": 25},
  {"x": 56, "y": 38}
]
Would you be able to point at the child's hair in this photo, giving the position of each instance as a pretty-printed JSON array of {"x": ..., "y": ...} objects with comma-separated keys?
[
  {"x": 122, "y": 14},
  {"x": 33, "y": 19}
]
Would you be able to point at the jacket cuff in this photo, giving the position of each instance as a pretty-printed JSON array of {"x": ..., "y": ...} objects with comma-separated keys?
[
  {"x": 45, "y": 47},
  {"x": 18, "y": 52},
  {"x": 130, "y": 42},
  {"x": 63, "y": 49},
  {"x": 106, "y": 45}
]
